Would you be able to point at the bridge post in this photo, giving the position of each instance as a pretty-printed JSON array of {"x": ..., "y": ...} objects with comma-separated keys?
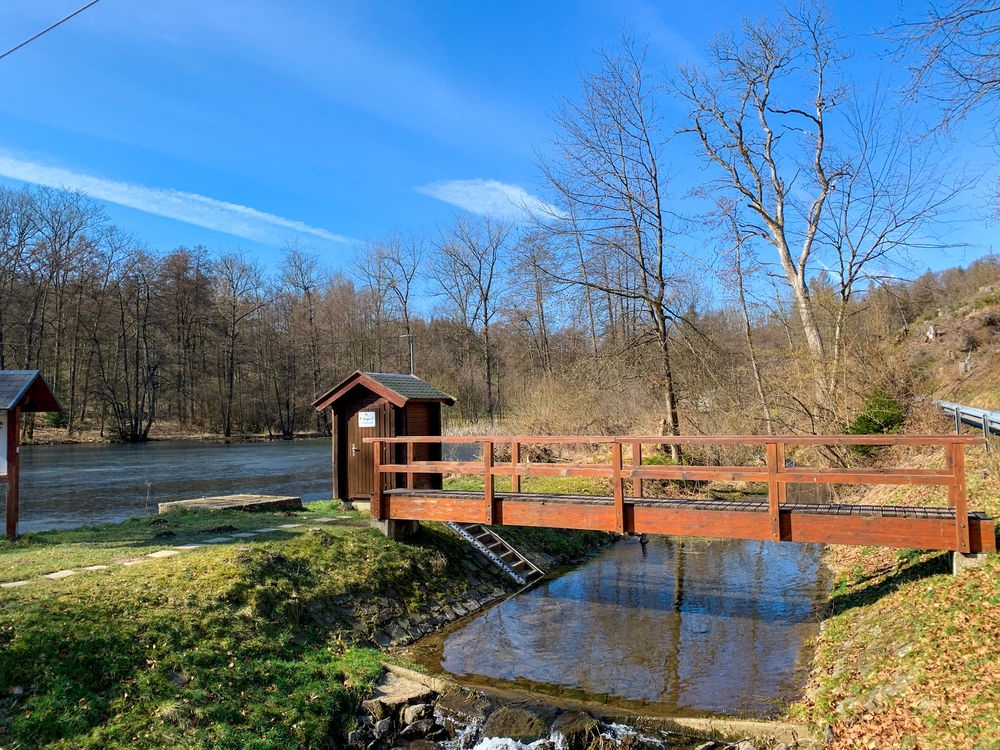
[
  {"x": 776, "y": 489},
  {"x": 636, "y": 463},
  {"x": 489, "y": 495},
  {"x": 377, "y": 511},
  {"x": 515, "y": 459},
  {"x": 616, "y": 486},
  {"x": 955, "y": 461}
]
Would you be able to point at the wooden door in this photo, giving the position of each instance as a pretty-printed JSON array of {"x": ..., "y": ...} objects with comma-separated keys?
[{"x": 373, "y": 420}]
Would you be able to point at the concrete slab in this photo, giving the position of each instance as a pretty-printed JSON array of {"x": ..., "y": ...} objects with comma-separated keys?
[
  {"x": 189, "y": 546},
  {"x": 164, "y": 553},
  {"x": 245, "y": 534},
  {"x": 323, "y": 520},
  {"x": 236, "y": 502},
  {"x": 265, "y": 531},
  {"x": 960, "y": 561},
  {"x": 394, "y": 691},
  {"x": 96, "y": 567},
  {"x": 13, "y": 584},
  {"x": 290, "y": 526},
  {"x": 218, "y": 540},
  {"x": 60, "y": 574}
]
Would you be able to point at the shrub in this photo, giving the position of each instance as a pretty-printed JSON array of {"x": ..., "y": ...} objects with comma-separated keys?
[{"x": 880, "y": 415}]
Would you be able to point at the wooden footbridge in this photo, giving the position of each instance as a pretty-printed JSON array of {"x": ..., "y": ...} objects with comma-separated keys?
[{"x": 407, "y": 489}]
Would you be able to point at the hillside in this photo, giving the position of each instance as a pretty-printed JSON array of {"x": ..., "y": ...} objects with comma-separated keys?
[{"x": 907, "y": 656}]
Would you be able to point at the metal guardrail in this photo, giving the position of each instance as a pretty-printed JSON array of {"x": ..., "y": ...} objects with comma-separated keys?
[{"x": 985, "y": 419}]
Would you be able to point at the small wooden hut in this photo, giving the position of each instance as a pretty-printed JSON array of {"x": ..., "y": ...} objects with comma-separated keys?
[
  {"x": 378, "y": 404},
  {"x": 21, "y": 391}
]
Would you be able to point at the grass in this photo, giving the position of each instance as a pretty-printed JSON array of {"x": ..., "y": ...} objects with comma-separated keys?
[
  {"x": 244, "y": 645},
  {"x": 263, "y": 642},
  {"x": 38, "y": 553},
  {"x": 547, "y": 485}
]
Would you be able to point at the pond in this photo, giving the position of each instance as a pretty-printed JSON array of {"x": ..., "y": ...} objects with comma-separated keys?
[{"x": 64, "y": 486}]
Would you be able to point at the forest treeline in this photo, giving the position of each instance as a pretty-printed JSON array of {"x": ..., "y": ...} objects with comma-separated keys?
[
  {"x": 205, "y": 342},
  {"x": 762, "y": 295}
]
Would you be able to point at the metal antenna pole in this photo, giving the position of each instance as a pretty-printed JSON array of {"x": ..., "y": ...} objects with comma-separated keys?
[{"x": 410, "y": 337}]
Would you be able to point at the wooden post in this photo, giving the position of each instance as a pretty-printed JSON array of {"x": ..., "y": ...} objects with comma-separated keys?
[
  {"x": 515, "y": 459},
  {"x": 616, "y": 484},
  {"x": 955, "y": 461},
  {"x": 636, "y": 464},
  {"x": 13, "y": 466},
  {"x": 378, "y": 498},
  {"x": 775, "y": 487},
  {"x": 488, "y": 493},
  {"x": 409, "y": 462},
  {"x": 335, "y": 441}
]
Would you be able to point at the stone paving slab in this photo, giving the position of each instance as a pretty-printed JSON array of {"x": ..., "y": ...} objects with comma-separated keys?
[
  {"x": 60, "y": 574},
  {"x": 13, "y": 584},
  {"x": 189, "y": 546},
  {"x": 218, "y": 540},
  {"x": 164, "y": 553},
  {"x": 290, "y": 526},
  {"x": 245, "y": 534},
  {"x": 264, "y": 531},
  {"x": 323, "y": 520},
  {"x": 96, "y": 567}
]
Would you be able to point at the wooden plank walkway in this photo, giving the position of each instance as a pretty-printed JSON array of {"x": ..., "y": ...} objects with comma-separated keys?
[{"x": 772, "y": 517}]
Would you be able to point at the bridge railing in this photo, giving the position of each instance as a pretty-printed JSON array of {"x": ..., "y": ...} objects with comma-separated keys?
[{"x": 626, "y": 464}]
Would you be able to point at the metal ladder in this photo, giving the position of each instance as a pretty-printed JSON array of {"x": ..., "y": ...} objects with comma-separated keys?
[{"x": 500, "y": 552}]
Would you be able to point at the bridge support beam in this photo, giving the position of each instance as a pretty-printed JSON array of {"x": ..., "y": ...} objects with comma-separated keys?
[{"x": 964, "y": 561}]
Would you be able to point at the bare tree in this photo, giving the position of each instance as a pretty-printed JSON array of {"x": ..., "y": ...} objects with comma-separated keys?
[
  {"x": 389, "y": 270},
  {"x": 957, "y": 48},
  {"x": 469, "y": 271},
  {"x": 129, "y": 358},
  {"x": 300, "y": 274},
  {"x": 18, "y": 227},
  {"x": 739, "y": 274},
  {"x": 890, "y": 192},
  {"x": 772, "y": 155},
  {"x": 238, "y": 296},
  {"x": 610, "y": 185}
]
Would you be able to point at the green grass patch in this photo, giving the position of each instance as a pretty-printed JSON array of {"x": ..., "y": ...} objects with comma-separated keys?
[
  {"x": 263, "y": 642},
  {"x": 259, "y": 643},
  {"x": 38, "y": 553},
  {"x": 545, "y": 485}
]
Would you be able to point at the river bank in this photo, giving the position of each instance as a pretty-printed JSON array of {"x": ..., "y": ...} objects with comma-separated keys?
[
  {"x": 44, "y": 435},
  {"x": 263, "y": 632},
  {"x": 907, "y": 655}
]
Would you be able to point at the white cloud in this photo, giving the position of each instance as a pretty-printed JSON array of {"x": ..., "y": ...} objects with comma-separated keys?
[
  {"x": 489, "y": 198},
  {"x": 221, "y": 216}
]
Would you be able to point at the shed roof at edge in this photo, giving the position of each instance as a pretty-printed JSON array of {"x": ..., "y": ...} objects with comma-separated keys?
[
  {"x": 26, "y": 389},
  {"x": 395, "y": 388}
]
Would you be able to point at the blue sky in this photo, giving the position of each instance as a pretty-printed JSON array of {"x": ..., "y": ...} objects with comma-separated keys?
[{"x": 245, "y": 125}]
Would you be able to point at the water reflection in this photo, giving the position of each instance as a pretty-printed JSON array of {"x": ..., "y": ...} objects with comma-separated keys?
[{"x": 699, "y": 626}]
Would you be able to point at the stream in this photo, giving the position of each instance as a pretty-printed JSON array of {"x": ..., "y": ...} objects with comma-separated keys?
[{"x": 685, "y": 627}]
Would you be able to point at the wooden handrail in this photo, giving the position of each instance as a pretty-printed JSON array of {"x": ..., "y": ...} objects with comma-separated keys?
[
  {"x": 775, "y": 472},
  {"x": 693, "y": 439}
]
